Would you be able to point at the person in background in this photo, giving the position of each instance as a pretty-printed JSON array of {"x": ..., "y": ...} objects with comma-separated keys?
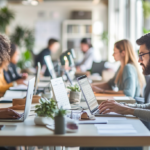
[
  {"x": 128, "y": 80},
  {"x": 4, "y": 60},
  {"x": 11, "y": 73},
  {"x": 53, "y": 46},
  {"x": 87, "y": 61}
]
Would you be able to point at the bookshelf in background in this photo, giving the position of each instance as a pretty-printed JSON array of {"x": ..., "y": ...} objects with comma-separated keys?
[{"x": 72, "y": 33}]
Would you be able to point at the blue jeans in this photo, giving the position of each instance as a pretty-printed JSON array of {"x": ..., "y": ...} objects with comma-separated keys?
[{"x": 110, "y": 148}]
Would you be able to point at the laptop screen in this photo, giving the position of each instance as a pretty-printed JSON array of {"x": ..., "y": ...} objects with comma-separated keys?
[
  {"x": 50, "y": 66},
  {"x": 88, "y": 92}
]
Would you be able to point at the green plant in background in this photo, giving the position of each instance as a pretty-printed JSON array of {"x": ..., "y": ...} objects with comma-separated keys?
[
  {"x": 74, "y": 88},
  {"x": 104, "y": 37},
  {"x": 145, "y": 31},
  {"x": 6, "y": 15},
  {"x": 47, "y": 108},
  {"x": 60, "y": 112},
  {"x": 146, "y": 8},
  {"x": 24, "y": 38}
]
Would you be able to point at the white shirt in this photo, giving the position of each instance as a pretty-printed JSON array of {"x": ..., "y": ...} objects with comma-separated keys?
[{"x": 87, "y": 61}]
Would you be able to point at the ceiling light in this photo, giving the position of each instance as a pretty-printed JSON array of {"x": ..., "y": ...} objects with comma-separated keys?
[
  {"x": 96, "y": 2},
  {"x": 34, "y": 2}
]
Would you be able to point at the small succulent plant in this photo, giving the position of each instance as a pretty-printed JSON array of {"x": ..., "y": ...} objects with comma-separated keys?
[
  {"x": 74, "y": 88},
  {"x": 47, "y": 108}
]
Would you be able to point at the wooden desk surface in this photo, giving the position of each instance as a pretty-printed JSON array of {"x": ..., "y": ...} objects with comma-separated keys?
[
  {"x": 27, "y": 133},
  {"x": 107, "y": 95}
]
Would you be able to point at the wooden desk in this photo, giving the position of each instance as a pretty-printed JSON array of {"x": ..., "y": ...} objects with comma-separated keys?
[
  {"x": 103, "y": 97},
  {"x": 107, "y": 95},
  {"x": 28, "y": 134}
]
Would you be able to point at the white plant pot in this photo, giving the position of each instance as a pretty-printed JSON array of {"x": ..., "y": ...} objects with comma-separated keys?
[
  {"x": 75, "y": 97},
  {"x": 43, "y": 121}
]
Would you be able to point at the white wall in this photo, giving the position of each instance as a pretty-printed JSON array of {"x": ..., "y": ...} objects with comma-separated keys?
[{"x": 28, "y": 16}]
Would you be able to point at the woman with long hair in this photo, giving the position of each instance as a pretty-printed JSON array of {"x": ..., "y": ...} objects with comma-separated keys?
[
  {"x": 4, "y": 61},
  {"x": 128, "y": 80}
]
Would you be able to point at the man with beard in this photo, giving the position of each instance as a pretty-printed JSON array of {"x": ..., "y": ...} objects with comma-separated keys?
[{"x": 142, "y": 111}]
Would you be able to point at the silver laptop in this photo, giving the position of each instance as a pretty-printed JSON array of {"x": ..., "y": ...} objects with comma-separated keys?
[
  {"x": 50, "y": 66},
  {"x": 90, "y": 97},
  {"x": 27, "y": 105},
  {"x": 37, "y": 78}
]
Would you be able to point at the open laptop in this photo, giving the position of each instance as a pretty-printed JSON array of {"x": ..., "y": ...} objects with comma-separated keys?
[
  {"x": 29, "y": 96},
  {"x": 50, "y": 66},
  {"x": 90, "y": 97}
]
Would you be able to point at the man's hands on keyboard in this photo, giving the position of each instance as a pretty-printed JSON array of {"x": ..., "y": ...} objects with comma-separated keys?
[{"x": 7, "y": 113}]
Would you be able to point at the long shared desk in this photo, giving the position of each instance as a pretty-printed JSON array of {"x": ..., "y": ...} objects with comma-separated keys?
[{"x": 28, "y": 134}]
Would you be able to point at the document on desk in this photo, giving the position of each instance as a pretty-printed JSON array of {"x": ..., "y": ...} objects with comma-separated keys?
[
  {"x": 19, "y": 88},
  {"x": 43, "y": 84},
  {"x": 115, "y": 129},
  {"x": 60, "y": 93},
  {"x": 14, "y": 94},
  {"x": 98, "y": 120},
  {"x": 121, "y": 98}
]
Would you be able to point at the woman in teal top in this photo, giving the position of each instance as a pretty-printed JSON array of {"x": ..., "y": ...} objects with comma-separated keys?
[{"x": 128, "y": 80}]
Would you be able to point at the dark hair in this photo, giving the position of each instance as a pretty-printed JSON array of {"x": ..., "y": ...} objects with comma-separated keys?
[
  {"x": 145, "y": 39},
  {"x": 86, "y": 41},
  {"x": 4, "y": 49},
  {"x": 13, "y": 48},
  {"x": 52, "y": 41}
]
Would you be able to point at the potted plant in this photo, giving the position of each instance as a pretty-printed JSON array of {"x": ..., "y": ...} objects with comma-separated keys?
[
  {"x": 6, "y": 16},
  {"x": 75, "y": 94},
  {"x": 24, "y": 38},
  {"x": 60, "y": 121},
  {"x": 45, "y": 111}
]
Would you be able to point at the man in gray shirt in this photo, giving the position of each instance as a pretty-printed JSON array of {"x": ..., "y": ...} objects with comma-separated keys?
[
  {"x": 141, "y": 111},
  {"x": 87, "y": 49}
]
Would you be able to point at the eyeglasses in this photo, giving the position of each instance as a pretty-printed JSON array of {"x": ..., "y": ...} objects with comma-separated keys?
[{"x": 140, "y": 55}]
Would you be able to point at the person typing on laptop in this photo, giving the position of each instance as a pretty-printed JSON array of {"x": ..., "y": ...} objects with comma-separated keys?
[
  {"x": 4, "y": 60},
  {"x": 141, "y": 111},
  {"x": 128, "y": 80},
  {"x": 6, "y": 113}
]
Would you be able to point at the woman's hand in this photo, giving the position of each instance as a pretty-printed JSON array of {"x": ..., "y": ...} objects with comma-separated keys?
[
  {"x": 24, "y": 76},
  {"x": 8, "y": 114},
  {"x": 112, "y": 106},
  {"x": 20, "y": 81},
  {"x": 97, "y": 89}
]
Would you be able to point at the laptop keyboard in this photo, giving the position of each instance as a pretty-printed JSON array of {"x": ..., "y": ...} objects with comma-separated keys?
[
  {"x": 97, "y": 111},
  {"x": 21, "y": 116}
]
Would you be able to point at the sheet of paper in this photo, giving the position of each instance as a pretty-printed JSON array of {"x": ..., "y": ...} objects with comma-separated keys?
[
  {"x": 115, "y": 128},
  {"x": 122, "y": 98},
  {"x": 60, "y": 93},
  {"x": 19, "y": 87},
  {"x": 43, "y": 84},
  {"x": 5, "y": 99},
  {"x": 14, "y": 94},
  {"x": 117, "y": 131},
  {"x": 114, "y": 118},
  {"x": 98, "y": 120}
]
